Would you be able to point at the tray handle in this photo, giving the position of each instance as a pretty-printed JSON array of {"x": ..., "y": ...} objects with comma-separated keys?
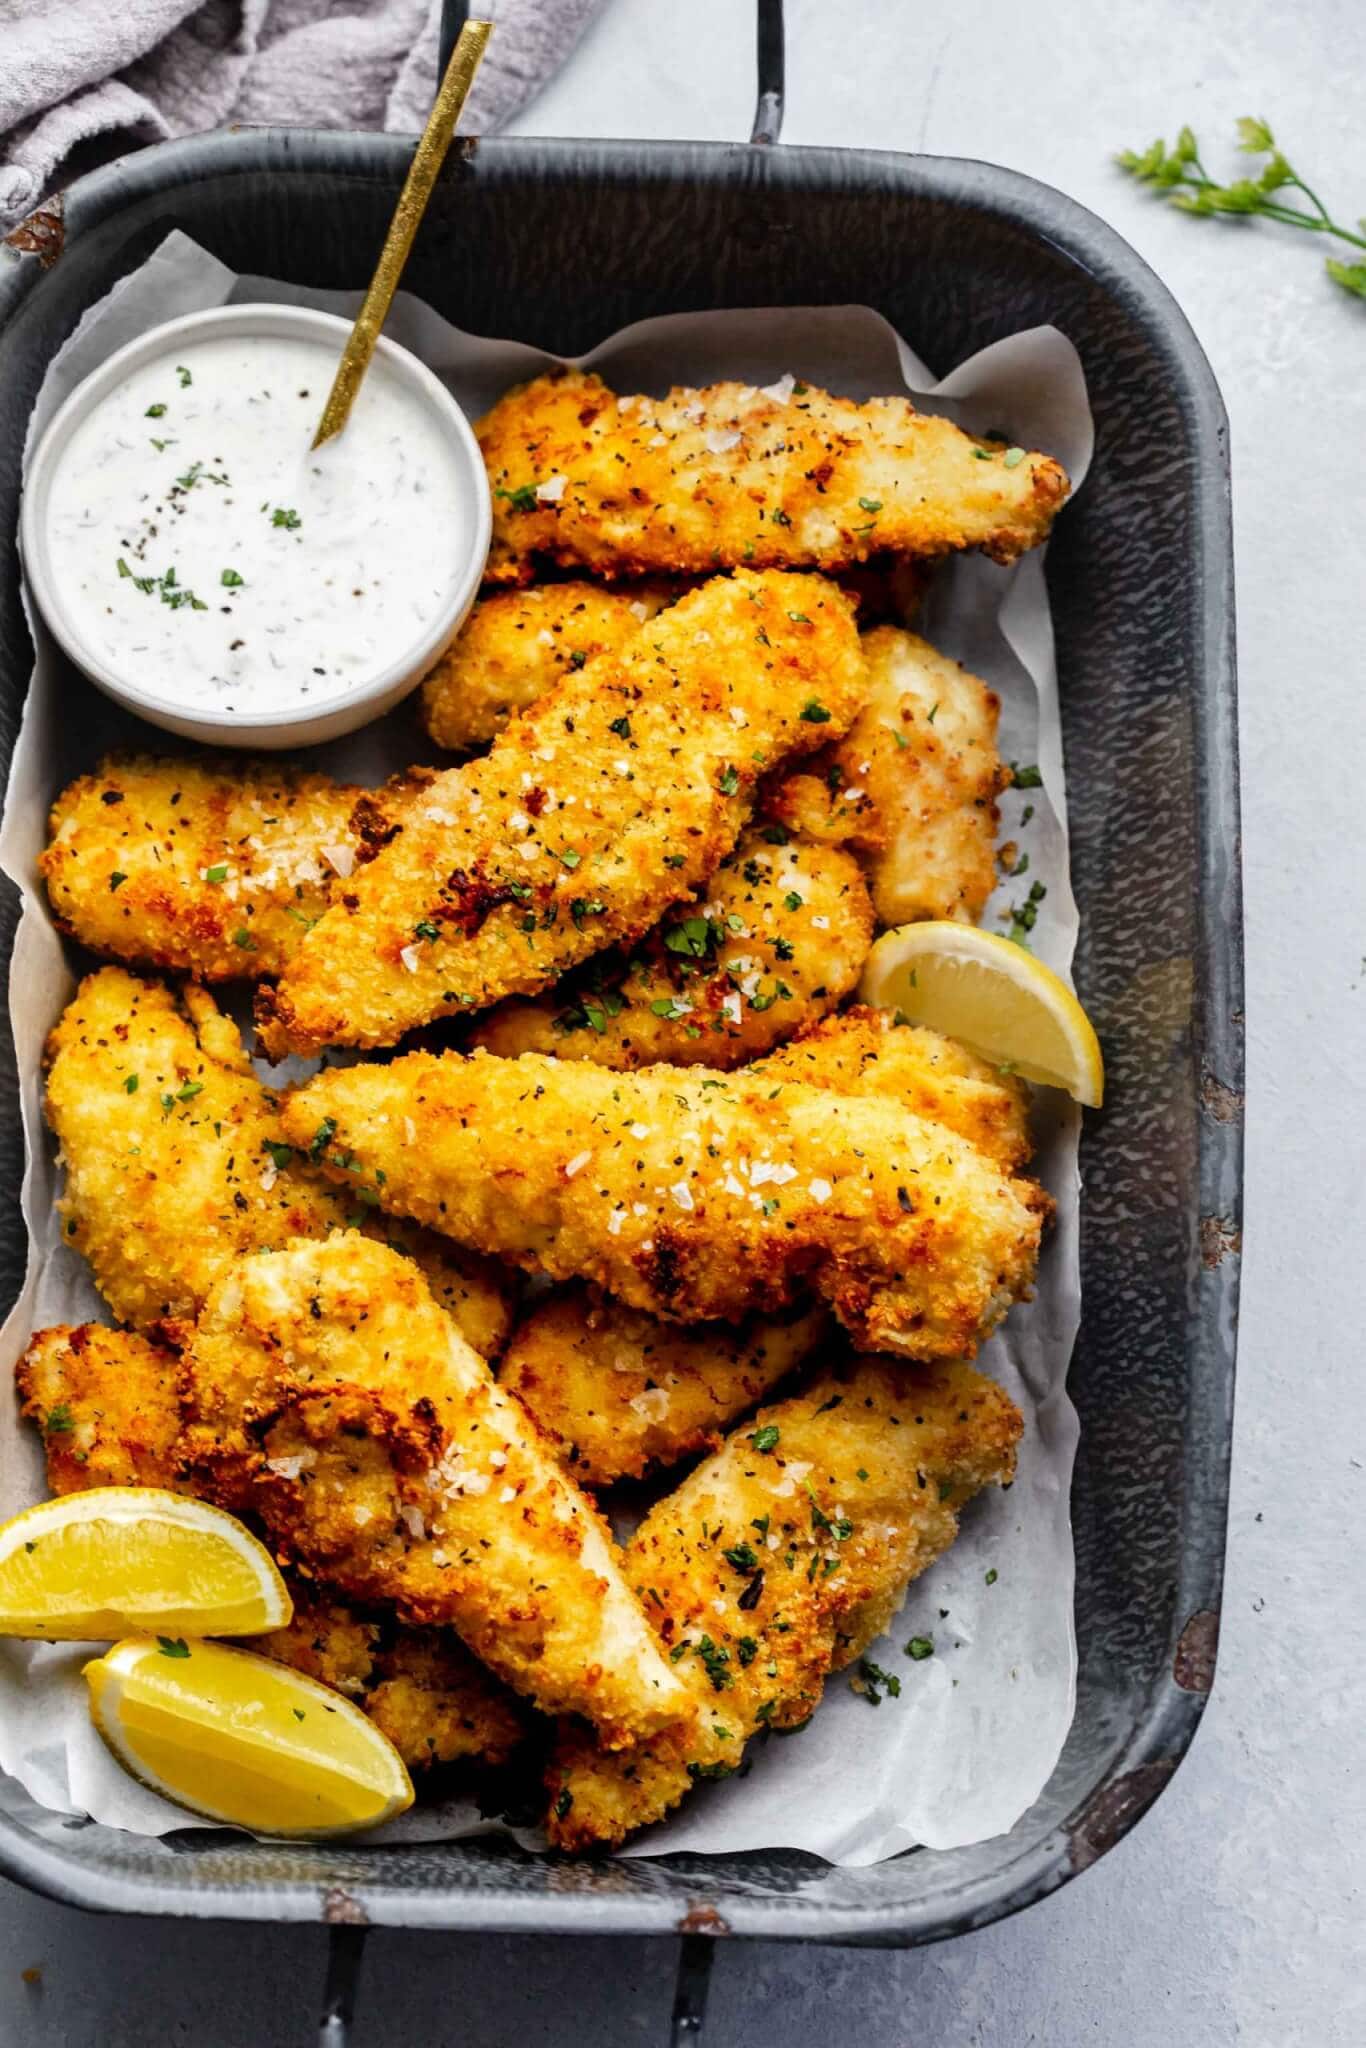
[{"x": 768, "y": 50}]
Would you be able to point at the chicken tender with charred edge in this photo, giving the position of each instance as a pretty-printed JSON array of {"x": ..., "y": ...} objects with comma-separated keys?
[
  {"x": 202, "y": 867},
  {"x": 518, "y": 644},
  {"x": 108, "y": 1405},
  {"x": 688, "y": 1194},
  {"x": 605, "y": 803},
  {"x": 621, "y": 1392},
  {"x": 381, "y": 1454},
  {"x": 779, "y": 1560},
  {"x": 779, "y": 937},
  {"x": 911, "y": 787},
  {"x": 176, "y": 1162},
  {"x": 784, "y": 477}
]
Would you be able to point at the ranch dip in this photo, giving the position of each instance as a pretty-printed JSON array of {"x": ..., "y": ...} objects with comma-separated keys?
[{"x": 200, "y": 545}]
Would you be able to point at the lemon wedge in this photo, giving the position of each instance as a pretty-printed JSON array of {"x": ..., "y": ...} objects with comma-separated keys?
[
  {"x": 92, "y": 1566},
  {"x": 993, "y": 997},
  {"x": 237, "y": 1738}
]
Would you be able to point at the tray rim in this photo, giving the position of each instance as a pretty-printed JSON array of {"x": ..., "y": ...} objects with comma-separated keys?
[{"x": 1164, "y": 1728}]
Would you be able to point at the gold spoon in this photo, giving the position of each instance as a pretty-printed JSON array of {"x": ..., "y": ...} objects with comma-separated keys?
[{"x": 412, "y": 203}]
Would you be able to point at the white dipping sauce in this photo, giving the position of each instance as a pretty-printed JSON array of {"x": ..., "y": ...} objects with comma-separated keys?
[{"x": 203, "y": 548}]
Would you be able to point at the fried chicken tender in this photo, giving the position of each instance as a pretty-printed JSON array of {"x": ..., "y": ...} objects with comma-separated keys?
[
  {"x": 867, "y": 1052},
  {"x": 779, "y": 937},
  {"x": 210, "y": 868},
  {"x": 787, "y": 477},
  {"x": 912, "y": 786},
  {"x": 691, "y": 1197},
  {"x": 176, "y": 1161},
  {"x": 383, "y": 1455},
  {"x": 597, "y": 809},
  {"x": 518, "y": 644},
  {"x": 778, "y": 1561},
  {"x": 108, "y": 1404},
  {"x": 621, "y": 1392}
]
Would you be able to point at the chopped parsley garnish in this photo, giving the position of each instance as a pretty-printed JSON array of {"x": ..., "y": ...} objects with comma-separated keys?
[
  {"x": 280, "y": 1153},
  {"x": 154, "y": 412},
  {"x": 184, "y": 375},
  {"x": 814, "y": 712},
  {"x": 1026, "y": 775},
  {"x": 874, "y": 1676},
  {"x": 130, "y": 1086},
  {"x": 621, "y": 727},
  {"x": 674, "y": 860},
  {"x": 523, "y": 499},
  {"x": 919, "y": 1648},
  {"x": 1013, "y": 458},
  {"x": 1024, "y": 916},
  {"x": 286, "y": 516},
  {"x": 189, "y": 1091},
  {"x": 992, "y": 1576},
  {"x": 665, "y": 1006},
  {"x": 715, "y": 1662},
  {"x": 933, "y": 708},
  {"x": 230, "y": 580},
  {"x": 322, "y": 1137},
  {"x": 746, "y": 1650},
  {"x": 58, "y": 1421},
  {"x": 577, "y": 658},
  {"x": 792, "y": 901},
  {"x": 173, "y": 1646},
  {"x": 799, "y": 618},
  {"x": 563, "y": 1803},
  {"x": 870, "y": 504},
  {"x": 766, "y": 1438},
  {"x": 116, "y": 880},
  {"x": 691, "y": 938},
  {"x": 425, "y": 929},
  {"x": 243, "y": 938},
  {"x": 216, "y": 874},
  {"x": 741, "y": 1557},
  {"x": 729, "y": 782},
  {"x": 582, "y": 907},
  {"x": 570, "y": 859}
]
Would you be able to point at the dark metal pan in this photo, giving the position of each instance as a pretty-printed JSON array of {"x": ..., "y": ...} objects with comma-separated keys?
[{"x": 560, "y": 242}]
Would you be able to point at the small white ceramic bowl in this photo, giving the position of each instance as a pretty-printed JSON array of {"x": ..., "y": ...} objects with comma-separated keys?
[{"x": 305, "y": 724}]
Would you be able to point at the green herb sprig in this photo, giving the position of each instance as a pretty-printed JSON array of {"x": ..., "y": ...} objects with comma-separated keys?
[{"x": 1179, "y": 173}]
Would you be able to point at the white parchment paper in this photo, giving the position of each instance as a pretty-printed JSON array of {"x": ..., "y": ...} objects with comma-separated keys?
[{"x": 970, "y": 1741}]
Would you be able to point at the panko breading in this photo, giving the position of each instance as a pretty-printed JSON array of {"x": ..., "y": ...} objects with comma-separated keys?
[
  {"x": 912, "y": 785},
  {"x": 779, "y": 937},
  {"x": 176, "y": 1161},
  {"x": 106, "y": 1403},
  {"x": 867, "y": 1052},
  {"x": 785, "y": 477},
  {"x": 210, "y": 868},
  {"x": 597, "y": 809},
  {"x": 518, "y": 644},
  {"x": 109, "y": 1408},
  {"x": 688, "y": 1194},
  {"x": 778, "y": 1561},
  {"x": 383, "y": 1455},
  {"x": 621, "y": 1392}
]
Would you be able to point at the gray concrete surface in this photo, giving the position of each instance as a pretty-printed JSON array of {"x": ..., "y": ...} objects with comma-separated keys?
[{"x": 1234, "y": 1913}]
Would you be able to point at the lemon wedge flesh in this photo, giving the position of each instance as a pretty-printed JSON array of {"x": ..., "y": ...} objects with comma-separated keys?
[
  {"x": 239, "y": 1739},
  {"x": 993, "y": 997},
  {"x": 92, "y": 1566}
]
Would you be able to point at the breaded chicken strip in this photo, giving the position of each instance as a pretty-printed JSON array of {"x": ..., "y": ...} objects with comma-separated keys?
[
  {"x": 108, "y": 1404},
  {"x": 621, "y": 1392},
  {"x": 912, "y": 786},
  {"x": 607, "y": 801},
  {"x": 692, "y": 1197},
  {"x": 176, "y": 1161},
  {"x": 210, "y": 868},
  {"x": 786, "y": 477},
  {"x": 779, "y": 1560},
  {"x": 382, "y": 1454},
  {"x": 518, "y": 644},
  {"x": 779, "y": 937},
  {"x": 868, "y": 1052}
]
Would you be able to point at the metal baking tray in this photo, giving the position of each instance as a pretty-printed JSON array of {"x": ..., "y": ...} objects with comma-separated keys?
[{"x": 558, "y": 243}]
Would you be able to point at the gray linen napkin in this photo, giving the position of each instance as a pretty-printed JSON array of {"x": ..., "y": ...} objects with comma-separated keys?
[{"x": 83, "y": 80}]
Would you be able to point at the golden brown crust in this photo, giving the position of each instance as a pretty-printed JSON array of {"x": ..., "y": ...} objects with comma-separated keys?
[
  {"x": 518, "y": 644},
  {"x": 205, "y": 867},
  {"x": 779, "y": 936},
  {"x": 912, "y": 786},
  {"x": 730, "y": 475},
  {"x": 385, "y": 1457},
  {"x": 106, "y": 1403},
  {"x": 598, "y": 808},
  {"x": 765, "y": 1569},
  {"x": 687, "y": 1194},
  {"x": 176, "y": 1161},
  {"x": 621, "y": 1392}
]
